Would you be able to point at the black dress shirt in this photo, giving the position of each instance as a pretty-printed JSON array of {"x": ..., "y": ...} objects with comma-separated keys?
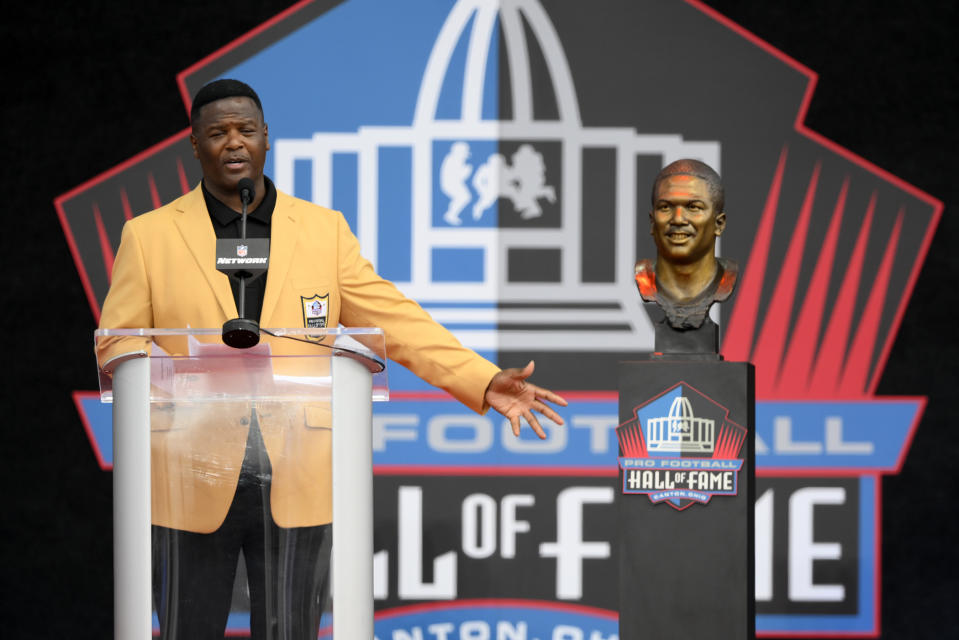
[{"x": 227, "y": 224}]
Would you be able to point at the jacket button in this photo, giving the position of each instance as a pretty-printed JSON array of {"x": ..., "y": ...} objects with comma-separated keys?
[{"x": 244, "y": 421}]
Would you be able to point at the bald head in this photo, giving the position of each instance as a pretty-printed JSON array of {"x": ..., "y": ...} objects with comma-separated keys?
[{"x": 697, "y": 169}]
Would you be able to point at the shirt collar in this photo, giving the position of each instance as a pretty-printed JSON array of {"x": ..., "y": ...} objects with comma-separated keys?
[{"x": 224, "y": 215}]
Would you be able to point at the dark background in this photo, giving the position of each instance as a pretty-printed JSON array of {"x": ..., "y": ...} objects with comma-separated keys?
[{"x": 90, "y": 85}]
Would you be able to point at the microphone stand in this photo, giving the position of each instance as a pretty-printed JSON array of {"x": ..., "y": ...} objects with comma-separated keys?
[{"x": 242, "y": 332}]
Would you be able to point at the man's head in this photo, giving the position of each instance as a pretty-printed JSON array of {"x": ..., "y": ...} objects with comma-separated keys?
[
  {"x": 687, "y": 211},
  {"x": 220, "y": 89},
  {"x": 696, "y": 169},
  {"x": 229, "y": 137}
]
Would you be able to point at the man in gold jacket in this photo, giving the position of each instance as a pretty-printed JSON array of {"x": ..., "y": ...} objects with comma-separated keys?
[{"x": 260, "y": 480}]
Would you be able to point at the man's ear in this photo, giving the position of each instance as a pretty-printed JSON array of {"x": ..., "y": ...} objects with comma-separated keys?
[
  {"x": 193, "y": 143},
  {"x": 652, "y": 224},
  {"x": 266, "y": 134},
  {"x": 720, "y": 223}
]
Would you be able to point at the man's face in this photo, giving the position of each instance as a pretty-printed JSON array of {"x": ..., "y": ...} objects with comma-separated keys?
[
  {"x": 683, "y": 222},
  {"x": 230, "y": 140}
]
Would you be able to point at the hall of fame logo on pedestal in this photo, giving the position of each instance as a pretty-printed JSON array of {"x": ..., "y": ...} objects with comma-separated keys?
[{"x": 680, "y": 448}]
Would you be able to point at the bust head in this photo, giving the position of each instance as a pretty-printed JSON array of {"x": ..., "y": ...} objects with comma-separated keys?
[{"x": 687, "y": 215}]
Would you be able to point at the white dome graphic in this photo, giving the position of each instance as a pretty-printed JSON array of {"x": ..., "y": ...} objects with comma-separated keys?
[
  {"x": 485, "y": 15},
  {"x": 680, "y": 431},
  {"x": 462, "y": 170}
]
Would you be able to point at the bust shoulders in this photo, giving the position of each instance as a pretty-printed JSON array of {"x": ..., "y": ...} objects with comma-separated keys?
[{"x": 688, "y": 314}]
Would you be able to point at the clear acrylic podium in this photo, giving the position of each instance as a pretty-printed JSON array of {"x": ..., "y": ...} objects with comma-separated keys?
[{"x": 182, "y": 402}]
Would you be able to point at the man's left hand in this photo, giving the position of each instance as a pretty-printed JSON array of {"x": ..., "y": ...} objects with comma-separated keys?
[{"x": 510, "y": 394}]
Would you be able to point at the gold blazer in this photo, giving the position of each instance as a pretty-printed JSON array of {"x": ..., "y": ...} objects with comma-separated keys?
[{"x": 165, "y": 276}]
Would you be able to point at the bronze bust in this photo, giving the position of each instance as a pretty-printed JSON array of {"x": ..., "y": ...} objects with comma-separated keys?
[{"x": 687, "y": 215}]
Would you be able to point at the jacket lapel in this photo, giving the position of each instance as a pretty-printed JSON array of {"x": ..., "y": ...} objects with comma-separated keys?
[
  {"x": 283, "y": 232},
  {"x": 193, "y": 222}
]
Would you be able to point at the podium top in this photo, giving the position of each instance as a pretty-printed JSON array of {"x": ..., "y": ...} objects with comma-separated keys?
[{"x": 287, "y": 365}]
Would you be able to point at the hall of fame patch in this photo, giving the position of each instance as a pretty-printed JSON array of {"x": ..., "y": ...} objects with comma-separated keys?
[{"x": 315, "y": 311}]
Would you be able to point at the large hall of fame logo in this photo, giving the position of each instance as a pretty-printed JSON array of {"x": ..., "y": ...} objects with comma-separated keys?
[
  {"x": 493, "y": 158},
  {"x": 496, "y": 205}
]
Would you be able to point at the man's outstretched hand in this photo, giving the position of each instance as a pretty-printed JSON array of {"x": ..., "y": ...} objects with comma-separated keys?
[{"x": 510, "y": 394}]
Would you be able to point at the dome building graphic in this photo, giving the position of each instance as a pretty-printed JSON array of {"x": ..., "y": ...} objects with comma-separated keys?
[
  {"x": 681, "y": 431},
  {"x": 494, "y": 207}
]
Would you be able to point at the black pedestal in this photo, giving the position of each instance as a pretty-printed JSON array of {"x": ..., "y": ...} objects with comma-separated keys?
[{"x": 686, "y": 442}]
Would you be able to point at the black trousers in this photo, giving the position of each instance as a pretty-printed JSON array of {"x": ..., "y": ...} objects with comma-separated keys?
[{"x": 287, "y": 568}]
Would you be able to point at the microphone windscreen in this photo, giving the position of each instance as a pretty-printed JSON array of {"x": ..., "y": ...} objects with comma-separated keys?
[{"x": 247, "y": 190}]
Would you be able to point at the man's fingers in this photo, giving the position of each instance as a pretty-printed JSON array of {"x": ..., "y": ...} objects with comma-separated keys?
[
  {"x": 528, "y": 369},
  {"x": 547, "y": 411},
  {"x": 533, "y": 422},
  {"x": 556, "y": 398},
  {"x": 517, "y": 374},
  {"x": 546, "y": 394},
  {"x": 514, "y": 421}
]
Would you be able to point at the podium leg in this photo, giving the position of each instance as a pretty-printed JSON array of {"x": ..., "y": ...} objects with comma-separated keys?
[
  {"x": 352, "y": 500},
  {"x": 132, "y": 599}
]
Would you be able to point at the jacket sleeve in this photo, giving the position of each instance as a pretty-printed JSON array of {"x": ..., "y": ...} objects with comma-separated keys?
[
  {"x": 413, "y": 338},
  {"x": 128, "y": 303}
]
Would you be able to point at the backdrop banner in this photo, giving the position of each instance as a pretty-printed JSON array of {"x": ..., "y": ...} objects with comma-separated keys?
[{"x": 495, "y": 160}]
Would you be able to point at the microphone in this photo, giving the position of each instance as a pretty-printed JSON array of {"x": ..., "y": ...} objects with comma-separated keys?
[
  {"x": 247, "y": 192},
  {"x": 243, "y": 332}
]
